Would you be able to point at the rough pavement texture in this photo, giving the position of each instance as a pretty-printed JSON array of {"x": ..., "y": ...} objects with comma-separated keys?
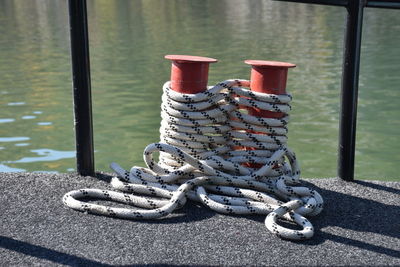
[{"x": 360, "y": 225}]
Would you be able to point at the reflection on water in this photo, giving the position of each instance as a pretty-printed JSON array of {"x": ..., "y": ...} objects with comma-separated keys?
[
  {"x": 46, "y": 155},
  {"x": 28, "y": 117},
  {"x": 16, "y": 103},
  {"x": 128, "y": 42},
  {"x": 13, "y": 139},
  {"x": 5, "y": 168},
  {"x": 44, "y": 123},
  {"x": 6, "y": 120},
  {"x": 22, "y": 144}
]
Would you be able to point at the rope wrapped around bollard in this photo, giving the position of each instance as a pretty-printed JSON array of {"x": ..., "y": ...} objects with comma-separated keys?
[{"x": 206, "y": 140}]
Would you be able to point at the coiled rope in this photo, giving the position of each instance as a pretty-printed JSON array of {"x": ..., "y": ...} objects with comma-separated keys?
[{"x": 208, "y": 148}]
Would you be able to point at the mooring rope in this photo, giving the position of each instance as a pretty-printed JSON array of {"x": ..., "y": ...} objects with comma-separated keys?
[{"x": 212, "y": 151}]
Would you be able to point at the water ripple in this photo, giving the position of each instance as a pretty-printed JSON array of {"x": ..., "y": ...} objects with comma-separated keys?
[
  {"x": 16, "y": 103},
  {"x": 22, "y": 144},
  {"x": 46, "y": 155},
  {"x": 5, "y": 168},
  {"x": 45, "y": 123},
  {"x": 5, "y": 120},
  {"x": 14, "y": 139},
  {"x": 28, "y": 117}
]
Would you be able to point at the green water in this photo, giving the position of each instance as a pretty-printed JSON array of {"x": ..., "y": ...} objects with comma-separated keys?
[{"x": 128, "y": 40}]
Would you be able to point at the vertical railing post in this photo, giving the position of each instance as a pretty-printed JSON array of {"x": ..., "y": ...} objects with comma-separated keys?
[
  {"x": 349, "y": 94},
  {"x": 81, "y": 87}
]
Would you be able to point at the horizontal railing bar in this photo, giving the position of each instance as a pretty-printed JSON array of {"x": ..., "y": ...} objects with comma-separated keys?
[
  {"x": 319, "y": 2},
  {"x": 370, "y": 3},
  {"x": 384, "y": 4}
]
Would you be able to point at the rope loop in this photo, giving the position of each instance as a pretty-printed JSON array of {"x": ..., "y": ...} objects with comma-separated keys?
[
  {"x": 214, "y": 151},
  {"x": 287, "y": 211}
]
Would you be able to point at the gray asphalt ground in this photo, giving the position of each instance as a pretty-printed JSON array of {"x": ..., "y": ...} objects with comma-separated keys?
[{"x": 359, "y": 226}]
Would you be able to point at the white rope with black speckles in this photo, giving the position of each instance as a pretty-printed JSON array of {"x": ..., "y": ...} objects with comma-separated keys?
[{"x": 207, "y": 142}]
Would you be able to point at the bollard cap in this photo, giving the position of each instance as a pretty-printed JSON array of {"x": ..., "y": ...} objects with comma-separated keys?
[
  {"x": 268, "y": 77},
  {"x": 189, "y": 74},
  {"x": 269, "y": 64},
  {"x": 190, "y": 59}
]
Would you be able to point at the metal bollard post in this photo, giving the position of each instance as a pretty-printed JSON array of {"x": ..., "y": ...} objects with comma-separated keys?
[
  {"x": 267, "y": 77},
  {"x": 189, "y": 74}
]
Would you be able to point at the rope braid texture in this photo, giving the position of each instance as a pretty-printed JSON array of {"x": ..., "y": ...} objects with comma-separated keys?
[{"x": 207, "y": 152}]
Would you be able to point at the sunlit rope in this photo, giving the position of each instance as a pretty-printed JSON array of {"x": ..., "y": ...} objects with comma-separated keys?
[{"x": 208, "y": 148}]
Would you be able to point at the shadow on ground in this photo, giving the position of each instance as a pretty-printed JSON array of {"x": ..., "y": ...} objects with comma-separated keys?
[
  {"x": 45, "y": 253},
  {"x": 357, "y": 217},
  {"x": 341, "y": 210},
  {"x": 56, "y": 256},
  {"x": 357, "y": 213}
]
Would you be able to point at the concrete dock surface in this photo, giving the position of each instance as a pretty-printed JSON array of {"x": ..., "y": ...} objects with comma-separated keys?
[{"x": 360, "y": 226}]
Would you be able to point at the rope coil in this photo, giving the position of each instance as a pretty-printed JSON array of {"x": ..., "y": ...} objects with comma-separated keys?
[{"x": 208, "y": 152}]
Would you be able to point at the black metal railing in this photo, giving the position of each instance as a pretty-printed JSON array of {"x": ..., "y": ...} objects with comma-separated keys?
[
  {"x": 346, "y": 3},
  {"x": 81, "y": 87},
  {"x": 350, "y": 76},
  {"x": 349, "y": 92}
]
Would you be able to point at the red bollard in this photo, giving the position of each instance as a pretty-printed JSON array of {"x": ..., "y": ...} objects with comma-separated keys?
[
  {"x": 268, "y": 77},
  {"x": 189, "y": 74}
]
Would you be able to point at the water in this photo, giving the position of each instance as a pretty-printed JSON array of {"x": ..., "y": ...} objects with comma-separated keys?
[{"x": 128, "y": 40}]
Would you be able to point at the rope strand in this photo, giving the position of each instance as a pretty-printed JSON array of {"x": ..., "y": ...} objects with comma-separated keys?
[{"x": 209, "y": 147}]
